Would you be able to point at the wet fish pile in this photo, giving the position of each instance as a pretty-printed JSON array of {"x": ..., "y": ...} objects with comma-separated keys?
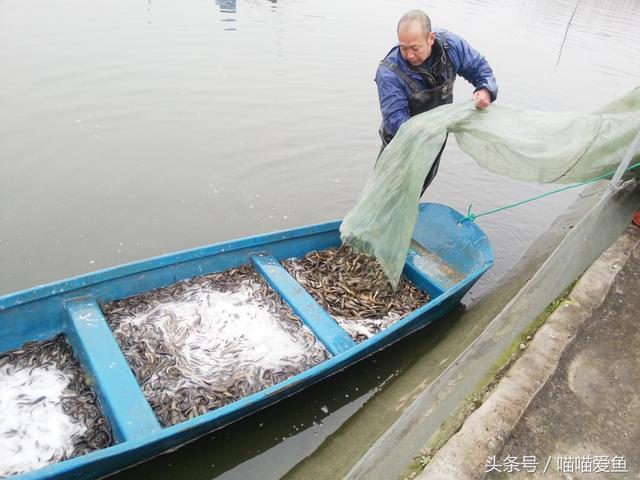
[
  {"x": 48, "y": 413},
  {"x": 353, "y": 288},
  {"x": 202, "y": 343}
]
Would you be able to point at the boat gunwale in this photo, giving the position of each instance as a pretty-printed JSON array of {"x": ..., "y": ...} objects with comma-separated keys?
[
  {"x": 223, "y": 416},
  {"x": 134, "y": 451},
  {"x": 65, "y": 286}
]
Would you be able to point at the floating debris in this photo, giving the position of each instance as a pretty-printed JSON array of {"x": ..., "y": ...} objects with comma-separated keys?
[
  {"x": 353, "y": 288},
  {"x": 48, "y": 413},
  {"x": 202, "y": 343}
]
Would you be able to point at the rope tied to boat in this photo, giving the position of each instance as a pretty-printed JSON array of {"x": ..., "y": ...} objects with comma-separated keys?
[{"x": 472, "y": 216}]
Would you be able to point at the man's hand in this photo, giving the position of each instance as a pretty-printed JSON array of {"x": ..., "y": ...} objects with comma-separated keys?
[{"x": 482, "y": 98}]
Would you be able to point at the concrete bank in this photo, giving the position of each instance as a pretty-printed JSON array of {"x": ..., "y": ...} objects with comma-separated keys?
[
  {"x": 440, "y": 409},
  {"x": 568, "y": 407}
]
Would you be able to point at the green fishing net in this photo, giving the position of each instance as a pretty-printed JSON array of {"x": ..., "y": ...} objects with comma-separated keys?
[{"x": 549, "y": 147}]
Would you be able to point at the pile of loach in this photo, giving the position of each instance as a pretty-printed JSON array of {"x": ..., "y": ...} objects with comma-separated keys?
[
  {"x": 48, "y": 413},
  {"x": 202, "y": 343},
  {"x": 353, "y": 288}
]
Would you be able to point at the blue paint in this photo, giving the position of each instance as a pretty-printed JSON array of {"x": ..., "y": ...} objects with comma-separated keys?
[
  {"x": 430, "y": 280},
  {"x": 463, "y": 246},
  {"x": 122, "y": 401},
  {"x": 325, "y": 328},
  {"x": 72, "y": 306},
  {"x": 119, "y": 281}
]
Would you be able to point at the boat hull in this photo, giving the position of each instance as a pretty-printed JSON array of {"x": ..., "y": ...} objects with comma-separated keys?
[{"x": 446, "y": 258}]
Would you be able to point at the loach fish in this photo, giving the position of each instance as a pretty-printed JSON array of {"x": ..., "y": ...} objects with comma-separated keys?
[
  {"x": 78, "y": 402},
  {"x": 353, "y": 288},
  {"x": 156, "y": 342}
]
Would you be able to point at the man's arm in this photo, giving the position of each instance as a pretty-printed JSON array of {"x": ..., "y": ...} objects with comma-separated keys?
[
  {"x": 394, "y": 103},
  {"x": 474, "y": 68}
]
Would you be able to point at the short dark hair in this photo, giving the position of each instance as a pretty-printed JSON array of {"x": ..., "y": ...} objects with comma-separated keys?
[{"x": 419, "y": 16}]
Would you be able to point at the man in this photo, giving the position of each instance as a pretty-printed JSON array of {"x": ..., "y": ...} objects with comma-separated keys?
[{"x": 418, "y": 75}]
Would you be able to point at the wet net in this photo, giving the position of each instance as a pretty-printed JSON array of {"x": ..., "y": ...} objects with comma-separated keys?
[{"x": 548, "y": 147}]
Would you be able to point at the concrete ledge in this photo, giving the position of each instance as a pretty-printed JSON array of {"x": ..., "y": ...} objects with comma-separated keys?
[{"x": 485, "y": 430}]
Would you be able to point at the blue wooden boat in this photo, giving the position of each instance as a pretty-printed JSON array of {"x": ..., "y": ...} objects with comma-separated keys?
[{"x": 445, "y": 259}]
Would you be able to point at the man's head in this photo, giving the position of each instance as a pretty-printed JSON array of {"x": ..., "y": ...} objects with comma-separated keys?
[{"x": 415, "y": 37}]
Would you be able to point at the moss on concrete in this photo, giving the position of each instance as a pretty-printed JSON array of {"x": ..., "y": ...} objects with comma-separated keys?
[{"x": 451, "y": 426}]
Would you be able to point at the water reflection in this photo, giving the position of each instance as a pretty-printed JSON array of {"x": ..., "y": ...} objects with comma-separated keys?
[
  {"x": 229, "y": 6},
  {"x": 226, "y": 6}
]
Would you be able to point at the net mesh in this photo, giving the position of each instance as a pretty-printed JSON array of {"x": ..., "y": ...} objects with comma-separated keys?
[{"x": 548, "y": 147}]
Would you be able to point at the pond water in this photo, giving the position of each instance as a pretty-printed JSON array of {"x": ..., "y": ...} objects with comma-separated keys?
[{"x": 133, "y": 129}]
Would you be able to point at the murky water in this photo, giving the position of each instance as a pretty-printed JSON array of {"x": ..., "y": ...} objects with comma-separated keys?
[{"x": 131, "y": 129}]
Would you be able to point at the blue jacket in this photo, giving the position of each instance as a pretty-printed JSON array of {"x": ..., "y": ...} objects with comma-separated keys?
[{"x": 394, "y": 92}]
